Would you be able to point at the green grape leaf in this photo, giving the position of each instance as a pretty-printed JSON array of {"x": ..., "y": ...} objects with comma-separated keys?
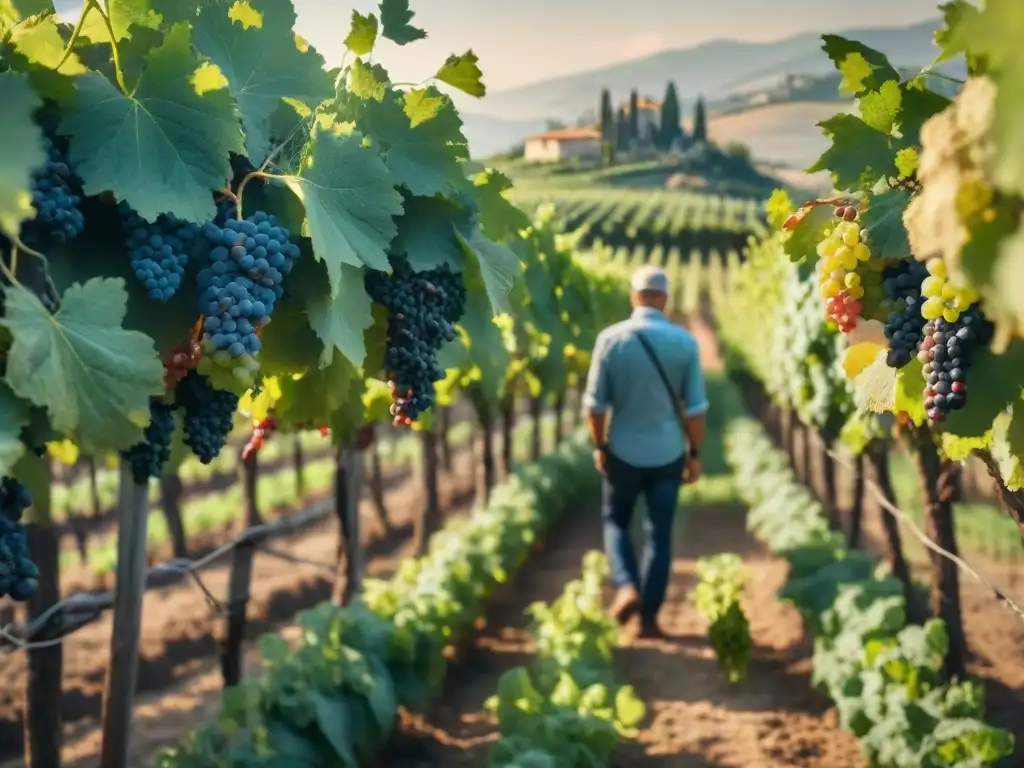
[
  {"x": 920, "y": 104},
  {"x": 125, "y": 14},
  {"x": 341, "y": 321},
  {"x": 289, "y": 343},
  {"x": 427, "y": 233},
  {"x": 883, "y": 220},
  {"x": 907, "y": 162},
  {"x": 350, "y": 201},
  {"x": 375, "y": 338},
  {"x": 909, "y": 394},
  {"x": 802, "y": 243},
  {"x": 863, "y": 68},
  {"x": 261, "y": 63},
  {"x": 950, "y": 38},
  {"x": 859, "y": 153},
  {"x": 463, "y": 72},
  {"x": 419, "y": 135},
  {"x": 779, "y": 208},
  {"x": 23, "y": 151},
  {"x": 13, "y": 416},
  {"x": 362, "y": 35},
  {"x": 1007, "y": 446},
  {"x": 394, "y": 20},
  {"x": 1001, "y": 376},
  {"x": 14, "y": 11},
  {"x": 93, "y": 377},
  {"x": 500, "y": 219},
  {"x": 881, "y": 109},
  {"x": 499, "y": 267},
  {"x": 485, "y": 346},
  {"x": 36, "y": 48},
  {"x": 959, "y": 448},
  {"x": 318, "y": 394},
  {"x": 368, "y": 81},
  {"x": 165, "y": 147}
]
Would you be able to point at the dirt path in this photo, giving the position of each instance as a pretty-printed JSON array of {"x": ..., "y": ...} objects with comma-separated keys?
[
  {"x": 774, "y": 719},
  {"x": 180, "y": 633}
]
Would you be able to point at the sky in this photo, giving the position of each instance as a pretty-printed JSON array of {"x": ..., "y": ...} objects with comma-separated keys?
[{"x": 524, "y": 41}]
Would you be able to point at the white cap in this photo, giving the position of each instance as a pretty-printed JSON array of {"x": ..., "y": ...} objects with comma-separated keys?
[{"x": 649, "y": 278}]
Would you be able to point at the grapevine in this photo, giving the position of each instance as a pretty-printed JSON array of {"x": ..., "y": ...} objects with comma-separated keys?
[
  {"x": 159, "y": 251},
  {"x": 208, "y": 415},
  {"x": 147, "y": 458}
]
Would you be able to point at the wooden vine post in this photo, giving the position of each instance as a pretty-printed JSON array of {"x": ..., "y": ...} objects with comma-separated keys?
[
  {"x": 299, "y": 464},
  {"x": 487, "y": 476},
  {"x": 43, "y": 725},
  {"x": 171, "y": 492},
  {"x": 376, "y": 480},
  {"x": 877, "y": 453},
  {"x": 508, "y": 426},
  {"x": 129, "y": 589},
  {"x": 429, "y": 519},
  {"x": 559, "y": 417},
  {"x": 240, "y": 577},
  {"x": 444, "y": 426},
  {"x": 853, "y": 535},
  {"x": 536, "y": 434},
  {"x": 348, "y": 472},
  {"x": 94, "y": 488},
  {"x": 939, "y": 482}
]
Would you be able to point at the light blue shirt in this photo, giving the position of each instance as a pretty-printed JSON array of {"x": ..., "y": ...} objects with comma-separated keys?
[{"x": 645, "y": 429}]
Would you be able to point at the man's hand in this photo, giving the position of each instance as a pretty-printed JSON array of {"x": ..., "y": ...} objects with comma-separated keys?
[
  {"x": 691, "y": 471},
  {"x": 600, "y": 460}
]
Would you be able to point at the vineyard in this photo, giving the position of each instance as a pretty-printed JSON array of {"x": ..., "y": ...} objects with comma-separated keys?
[{"x": 293, "y": 470}]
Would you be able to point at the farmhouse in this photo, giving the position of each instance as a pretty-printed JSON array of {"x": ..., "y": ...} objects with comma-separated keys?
[
  {"x": 563, "y": 144},
  {"x": 648, "y": 116}
]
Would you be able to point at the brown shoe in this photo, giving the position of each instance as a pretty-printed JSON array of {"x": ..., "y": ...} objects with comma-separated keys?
[
  {"x": 649, "y": 630},
  {"x": 626, "y": 601}
]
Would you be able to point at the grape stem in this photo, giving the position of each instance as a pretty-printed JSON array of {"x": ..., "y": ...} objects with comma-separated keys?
[
  {"x": 74, "y": 36},
  {"x": 241, "y": 187},
  {"x": 10, "y": 272}
]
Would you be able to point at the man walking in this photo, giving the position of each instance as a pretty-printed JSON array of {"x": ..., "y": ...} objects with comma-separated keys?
[{"x": 646, "y": 371}]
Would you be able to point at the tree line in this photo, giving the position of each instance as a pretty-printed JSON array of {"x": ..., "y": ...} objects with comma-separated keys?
[{"x": 622, "y": 130}]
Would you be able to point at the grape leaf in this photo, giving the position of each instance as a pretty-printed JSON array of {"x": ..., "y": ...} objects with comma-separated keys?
[
  {"x": 419, "y": 135},
  {"x": 1008, "y": 446},
  {"x": 93, "y": 377},
  {"x": 500, "y": 220},
  {"x": 394, "y": 20},
  {"x": 319, "y": 393},
  {"x": 485, "y": 346},
  {"x": 499, "y": 267},
  {"x": 289, "y": 343},
  {"x": 125, "y": 14},
  {"x": 909, "y": 394},
  {"x": 367, "y": 81},
  {"x": 883, "y": 219},
  {"x": 875, "y": 387},
  {"x": 426, "y": 233},
  {"x": 920, "y": 104},
  {"x": 363, "y": 34},
  {"x": 36, "y": 48},
  {"x": 350, "y": 200},
  {"x": 881, "y": 109},
  {"x": 13, "y": 416},
  {"x": 779, "y": 207},
  {"x": 14, "y": 11},
  {"x": 23, "y": 152},
  {"x": 341, "y": 321},
  {"x": 859, "y": 154},
  {"x": 165, "y": 147},
  {"x": 859, "y": 356},
  {"x": 802, "y": 242},
  {"x": 261, "y": 64},
  {"x": 863, "y": 68},
  {"x": 463, "y": 72},
  {"x": 959, "y": 448},
  {"x": 950, "y": 38}
]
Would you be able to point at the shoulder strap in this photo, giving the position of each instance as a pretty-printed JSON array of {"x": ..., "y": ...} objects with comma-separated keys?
[{"x": 676, "y": 400}]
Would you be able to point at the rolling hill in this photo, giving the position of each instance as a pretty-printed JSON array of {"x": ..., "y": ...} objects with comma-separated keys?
[{"x": 716, "y": 69}]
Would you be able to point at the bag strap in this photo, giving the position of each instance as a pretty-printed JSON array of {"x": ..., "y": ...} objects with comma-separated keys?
[{"x": 677, "y": 403}]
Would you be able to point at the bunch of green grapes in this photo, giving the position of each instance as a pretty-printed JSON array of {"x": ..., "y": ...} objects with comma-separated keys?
[
  {"x": 942, "y": 298},
  {"x": 730, "y": 637}
]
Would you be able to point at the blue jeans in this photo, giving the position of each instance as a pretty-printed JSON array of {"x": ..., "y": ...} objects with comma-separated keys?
[{"x": 623, "y": 485}]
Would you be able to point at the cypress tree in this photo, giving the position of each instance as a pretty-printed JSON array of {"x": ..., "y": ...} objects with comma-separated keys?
[
  {"x": 634, "y": 116},
  {"x": 700, "y": 121},
  {"x": 670, "y": 118},
  {"x": 607, "y": 116},
  {"x": 622, "y": 131}
]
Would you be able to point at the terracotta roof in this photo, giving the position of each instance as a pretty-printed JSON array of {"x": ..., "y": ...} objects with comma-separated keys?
[{"x": 567, "y": 134}]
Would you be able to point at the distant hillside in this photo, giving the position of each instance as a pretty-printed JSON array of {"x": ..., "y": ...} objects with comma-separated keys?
[
  {"x": 489, "y": 135},
  {"x": 715, "y": 69}
]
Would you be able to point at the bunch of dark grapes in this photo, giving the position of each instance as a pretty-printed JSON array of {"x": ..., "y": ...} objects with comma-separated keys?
[
  {"x": 208, "y": 415},
  {"x": 159, "y": 251},
  {"x": 148, "y": 457},
  {"x": 423, "y": 308},
  {"x": 729, "y": 634},
  {"x": 904, "y": 328},
  {"x": 946, "y": 352},
  {"x": 18, "y": 574},
  {"x": 239, "y": 286},
  {"x": 56, "y": 200}
]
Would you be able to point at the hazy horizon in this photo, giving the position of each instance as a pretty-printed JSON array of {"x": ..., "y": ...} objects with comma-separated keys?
[{"x": 534, "y": 40}]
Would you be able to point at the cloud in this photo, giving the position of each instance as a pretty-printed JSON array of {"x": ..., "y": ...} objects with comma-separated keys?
[{"x": 641, "y": 44}]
